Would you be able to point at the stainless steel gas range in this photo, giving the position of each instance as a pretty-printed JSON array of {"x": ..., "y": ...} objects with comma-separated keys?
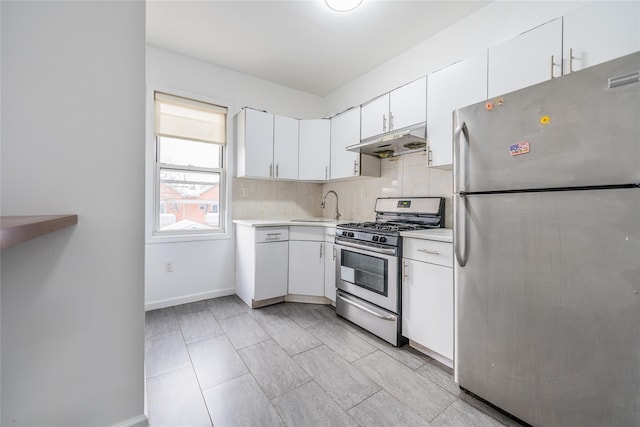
[{"x": 368, "y": 259}]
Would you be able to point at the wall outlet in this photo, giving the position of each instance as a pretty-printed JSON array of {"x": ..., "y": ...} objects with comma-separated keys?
[
  {"x": 245, "y": 191},
  {"x": 363, "y": 192},
  {"x": 168, "y": 267}
]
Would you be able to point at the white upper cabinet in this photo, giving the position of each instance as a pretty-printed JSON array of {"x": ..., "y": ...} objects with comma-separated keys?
[
  {"x": 285, "y": 147},
  {"x": 600, "y": 32},
  {"x": 254, "y": 143},
  {"x": 395, "y": 110},
  {"x": 314, "y": 149},
  {"x": 530, "y": 58},
  {"x": 455, "y": 86},
  {"x": 345, "y": 131},
  {"x": 408, "y": 104},
  {"x": 375, "y": 117},
  {"x": 267, "y": 145}
]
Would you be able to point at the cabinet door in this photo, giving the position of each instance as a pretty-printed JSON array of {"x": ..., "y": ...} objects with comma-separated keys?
[
  {"x": 285, "y": 147},
  {"x": 271, "y": 270},
  {"x": 408, "y": 105},
  {"x": 306, "y": 268},
  {"x": 314, "y": 155},
  {"x": 427, "y": 306},
  {"x": 257, "y": 149},
  {"x": 345, "y": 131},
  {"x": 330, "y": 271},
  {"x": 455, "y": 86},
  {"x": 374, "y": 117},
  {"x": 600, "y": 32},
  {"x": 526, "y": 59}
]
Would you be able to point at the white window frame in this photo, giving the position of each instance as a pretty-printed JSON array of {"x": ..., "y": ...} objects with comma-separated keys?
[
  {"x": 179, "y": 168},
  {"x": 225, "y": 231}
]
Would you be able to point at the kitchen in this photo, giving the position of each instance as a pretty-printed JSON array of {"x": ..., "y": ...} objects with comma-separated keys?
[{"x": 166, "y": 70}]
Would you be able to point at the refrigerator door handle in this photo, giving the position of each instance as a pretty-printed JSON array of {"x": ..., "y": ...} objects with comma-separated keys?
[
  {"x": 461, "y": 129},
  {"x": 460, "y": 234}
]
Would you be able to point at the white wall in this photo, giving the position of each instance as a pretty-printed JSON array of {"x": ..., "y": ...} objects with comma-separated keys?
[
  {"x": 206, "y": 268},
  {"x": 491, "y": 25},
  {"x": 72, "y": 142}
]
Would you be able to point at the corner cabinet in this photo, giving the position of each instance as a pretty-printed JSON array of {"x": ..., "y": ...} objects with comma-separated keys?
[
  {"x": 400, "y": 108},
  {"x": 306, "y": 261},
  {"x": 314, "y": 150},
  {"x": 427, "y": 297},
  {"x": 345, "y": 131},
  {"x": 262, "y": 259},
  {"x": 455, "y": 86}
]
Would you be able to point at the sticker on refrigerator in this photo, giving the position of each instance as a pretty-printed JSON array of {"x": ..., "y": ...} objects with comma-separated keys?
[{"x": 519, "y": 148}]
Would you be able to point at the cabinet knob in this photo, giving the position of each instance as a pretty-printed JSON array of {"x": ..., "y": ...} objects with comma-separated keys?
[{"x": 384, "y": 122}]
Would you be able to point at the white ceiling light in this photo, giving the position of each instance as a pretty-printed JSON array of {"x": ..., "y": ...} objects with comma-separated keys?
[{"x": 343, "y": 5}]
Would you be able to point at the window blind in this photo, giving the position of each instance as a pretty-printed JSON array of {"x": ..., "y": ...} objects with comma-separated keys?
[{"x": 185, "y": 118}]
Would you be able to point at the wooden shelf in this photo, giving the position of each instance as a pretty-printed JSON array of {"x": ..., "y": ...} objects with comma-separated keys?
[{"x": 18, "y": 229}]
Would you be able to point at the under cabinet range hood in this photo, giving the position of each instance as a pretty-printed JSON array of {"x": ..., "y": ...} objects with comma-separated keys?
[{"x": 404, "y": 141}]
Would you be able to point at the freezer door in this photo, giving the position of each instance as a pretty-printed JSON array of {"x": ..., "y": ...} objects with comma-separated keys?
[
  {"x": 572, "y": 131},
  {"x": 548, "y": 305}
]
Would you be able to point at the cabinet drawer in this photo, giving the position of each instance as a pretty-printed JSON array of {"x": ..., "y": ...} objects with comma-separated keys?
[
  {"x": 271, "y": 234},
  {"x": 302, "y": 232},
  {"x": 431, "y": 251}
]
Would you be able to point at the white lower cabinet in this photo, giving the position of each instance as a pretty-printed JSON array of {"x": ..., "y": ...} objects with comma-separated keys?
[
  {"x": 306, "y": 261},
  {"x": 262, "y": 257},
  {"x": 427, "y": 296},
  {"x": 330, "y": 263}
]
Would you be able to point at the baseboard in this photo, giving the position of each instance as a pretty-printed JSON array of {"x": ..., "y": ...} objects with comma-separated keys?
[
  {"x": 139, "y": 421},
  {"x": 185, "y": 299},
  {"x": 432, "y": 354},
  {"x": 308, "y": 299},
  {"x": 266, "y": 302}
]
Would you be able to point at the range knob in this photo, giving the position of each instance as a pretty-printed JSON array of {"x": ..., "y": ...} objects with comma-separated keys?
[
  {"x": 383, "y": 239},
  {"x": 374, "y": 238},
  {"x": 344, "y": 233},
  {"x": 350, "y": 234}
]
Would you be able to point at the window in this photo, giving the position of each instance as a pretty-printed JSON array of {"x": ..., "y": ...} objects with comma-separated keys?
[{"x": 190, "y": 141}]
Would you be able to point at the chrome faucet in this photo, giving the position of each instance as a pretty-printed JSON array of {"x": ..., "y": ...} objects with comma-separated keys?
[{"x": 324, "y": 202}]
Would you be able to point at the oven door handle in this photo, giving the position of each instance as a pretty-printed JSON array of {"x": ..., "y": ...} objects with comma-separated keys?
[
  {"x": 386, "y": 251},
  {"x": 363, "y": 308}
]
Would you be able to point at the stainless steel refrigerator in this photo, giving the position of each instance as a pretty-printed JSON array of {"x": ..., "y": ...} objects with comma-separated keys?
[{"x": 547, "y": 248}]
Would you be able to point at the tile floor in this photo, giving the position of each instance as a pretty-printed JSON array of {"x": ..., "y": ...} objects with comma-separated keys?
[{"x": 218, "y": 362}]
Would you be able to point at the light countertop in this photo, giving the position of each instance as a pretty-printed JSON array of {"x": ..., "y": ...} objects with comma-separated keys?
[
  {"x": 317, "y": 222},
  {"x": 439, "y": 234}
]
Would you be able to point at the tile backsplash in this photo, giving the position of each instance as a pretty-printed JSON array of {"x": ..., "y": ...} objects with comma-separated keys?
[
  {"x": 405, "y": 175},
  {"x": 271, "y": 199}
]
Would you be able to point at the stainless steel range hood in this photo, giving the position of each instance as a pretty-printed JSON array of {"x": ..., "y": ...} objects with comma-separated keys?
[{"x": 403, "y": 141}]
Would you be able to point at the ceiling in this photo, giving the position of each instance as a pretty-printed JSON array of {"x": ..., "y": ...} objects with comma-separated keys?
[{"x": 301, "y": 44}]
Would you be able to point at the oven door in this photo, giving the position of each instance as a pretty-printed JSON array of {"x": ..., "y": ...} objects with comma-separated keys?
[{"x": 368, "y": 274}]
